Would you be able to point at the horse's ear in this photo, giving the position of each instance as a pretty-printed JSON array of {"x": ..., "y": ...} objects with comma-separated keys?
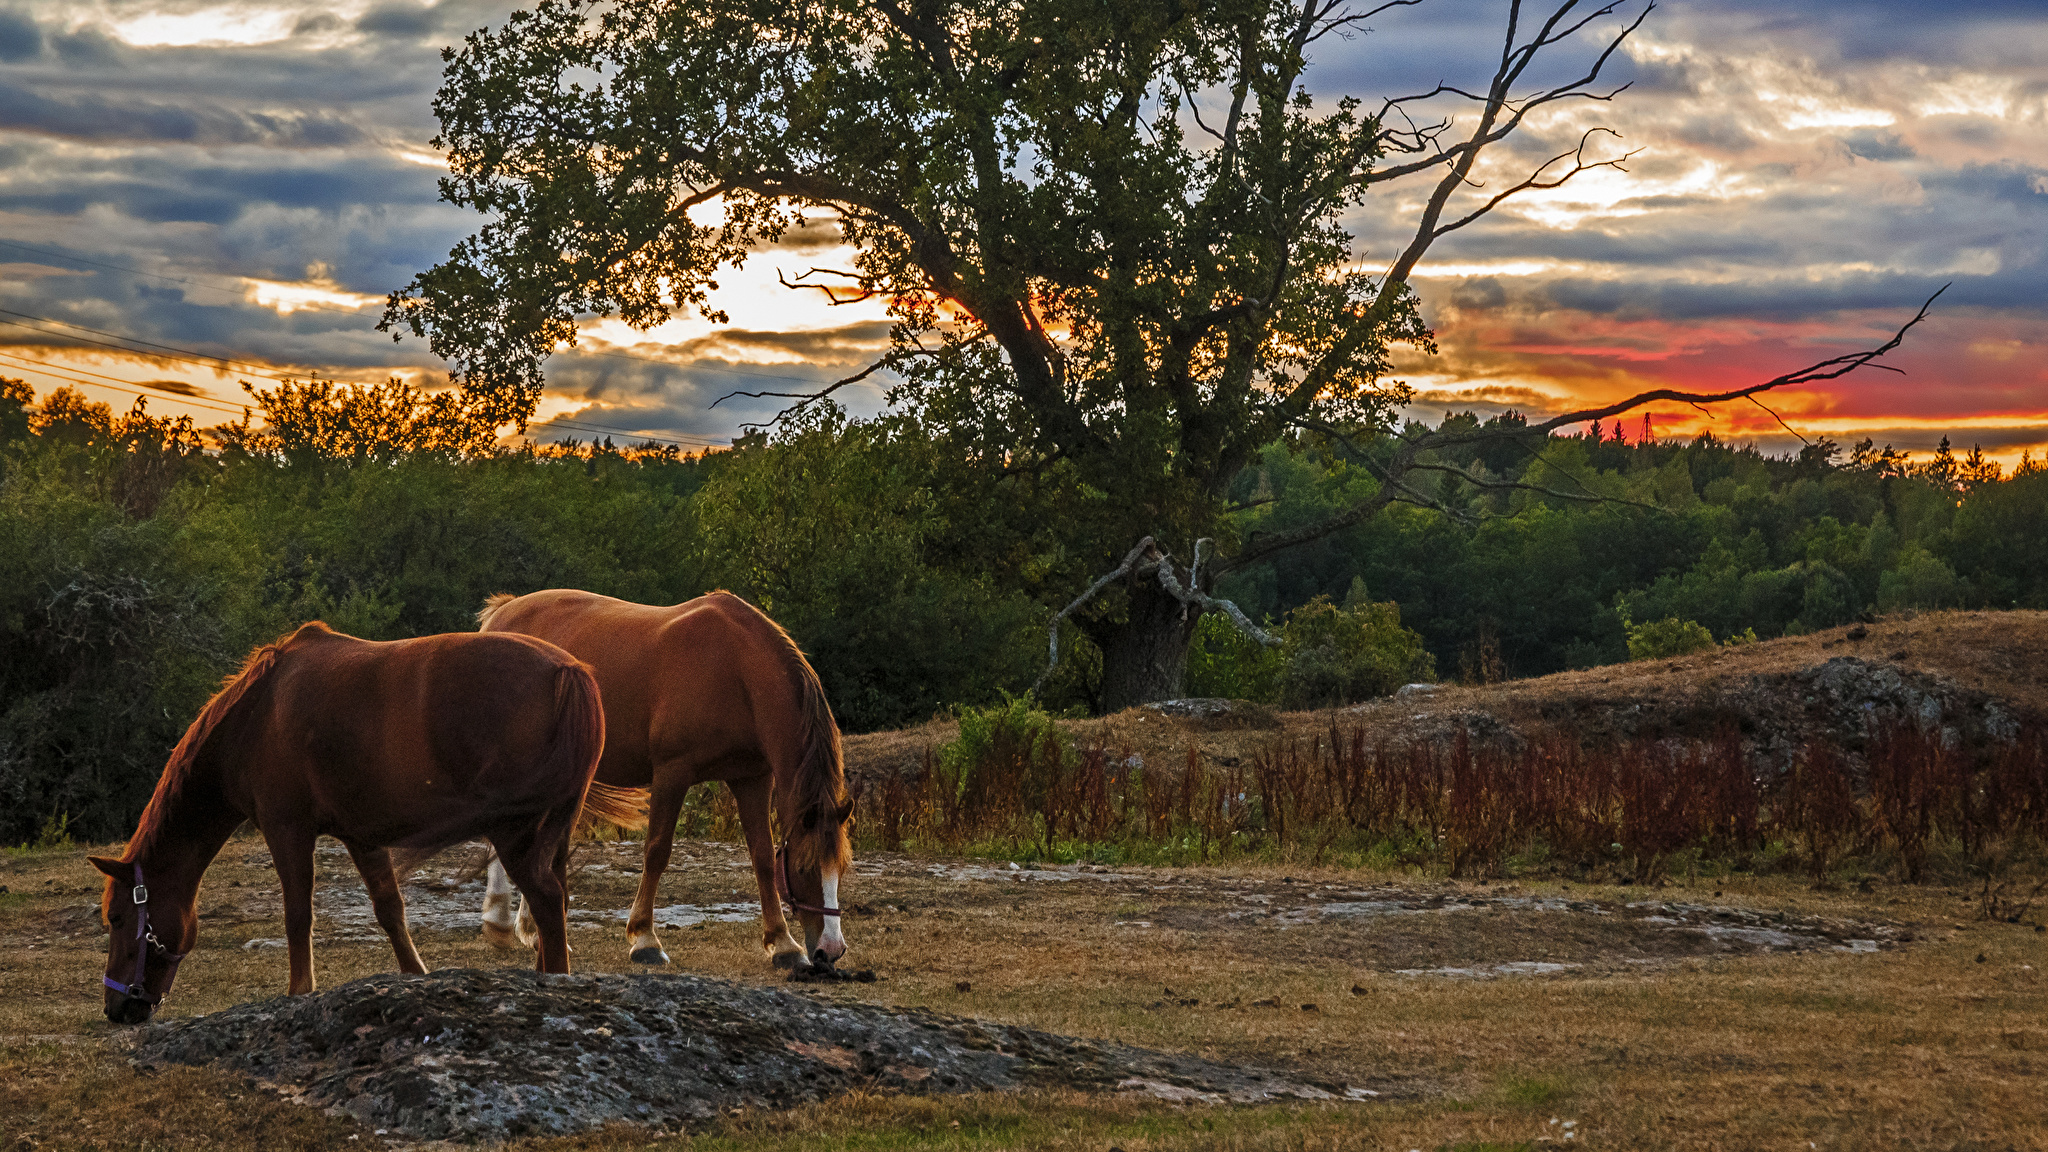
[
  {"x": 844, "y": 812},
  {"x": 113, "y": 868}
]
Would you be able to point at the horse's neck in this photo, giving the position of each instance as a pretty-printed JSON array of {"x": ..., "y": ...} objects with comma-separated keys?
[{"x": 194, "y": 822}]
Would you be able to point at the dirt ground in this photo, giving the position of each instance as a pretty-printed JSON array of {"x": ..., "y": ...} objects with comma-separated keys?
[{"x": 1721, "y": 1014}]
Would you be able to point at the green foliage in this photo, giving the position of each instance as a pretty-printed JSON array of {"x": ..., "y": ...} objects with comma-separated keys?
[
  {"x": 1764, "y": 546},
  {"x": 1332, "y": 655},
  {"x": 1667, "y": 637},
  {"x": 1223, "y": 661},
  {"x": 839, "y": 531}
]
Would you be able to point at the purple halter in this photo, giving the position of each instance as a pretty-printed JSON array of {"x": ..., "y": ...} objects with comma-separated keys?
[{"x": 144, "y": 935}]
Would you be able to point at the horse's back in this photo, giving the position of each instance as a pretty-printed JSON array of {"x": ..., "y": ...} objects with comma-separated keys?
[
  {"x": 411, "y": 732},
  {"x": 671, "y": 676}
]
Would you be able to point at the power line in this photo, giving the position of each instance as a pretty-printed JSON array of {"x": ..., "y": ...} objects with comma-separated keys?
[
  {"x": 176, "y": 353},
  {"x": 83, "y": 383},
  {"x": 116, "y": 381},
  {"x": 190, "y": 356}
]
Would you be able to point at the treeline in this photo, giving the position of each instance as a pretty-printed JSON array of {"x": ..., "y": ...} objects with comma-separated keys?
[
  {"x": 1521, "y": 582},
  {"x": 141, "y": 557}
]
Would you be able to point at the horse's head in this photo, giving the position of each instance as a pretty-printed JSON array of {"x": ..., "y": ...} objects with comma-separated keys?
[
  {"x": 810, "y": 878},
  {"x": 146, "y": 938}
]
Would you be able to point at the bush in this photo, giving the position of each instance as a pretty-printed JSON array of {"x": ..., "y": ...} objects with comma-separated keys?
[
  {"x": 1331, "y": 656},
  {"x": 1223, "y": 661},
  {"x": 1008, "y": 759},
  {"x": 1667, "y": 637}
]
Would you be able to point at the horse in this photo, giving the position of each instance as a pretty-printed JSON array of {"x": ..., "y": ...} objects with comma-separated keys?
[
  {"x": 710, "y": 689},
  {"x": 411, "y": 745}
]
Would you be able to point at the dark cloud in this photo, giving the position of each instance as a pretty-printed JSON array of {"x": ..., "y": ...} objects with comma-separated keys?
[
  {"x": 1873, "y": 144},
  {"x": 399, "y": 20},
  {"x": 20, "y": 36},
  {"x": 100, "y": 120}
]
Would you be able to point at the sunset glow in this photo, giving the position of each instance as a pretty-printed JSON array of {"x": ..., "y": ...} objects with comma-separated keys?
[{"x": 249, "y": 181}]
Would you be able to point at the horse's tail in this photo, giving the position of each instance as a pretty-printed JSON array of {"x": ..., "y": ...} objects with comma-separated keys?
[
  {"x": 579, "y": 741},
  {"x": 624, "y": 808},
  {"x": 490, "y": 609}
]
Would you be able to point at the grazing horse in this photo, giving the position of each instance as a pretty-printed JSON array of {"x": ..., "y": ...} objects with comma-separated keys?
[
  {"x": 411, "y": 744},
  {"x": 711, "y": 689}
]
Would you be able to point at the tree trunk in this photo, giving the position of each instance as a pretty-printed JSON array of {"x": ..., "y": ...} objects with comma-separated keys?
[{"x": 1145, "y": 659}]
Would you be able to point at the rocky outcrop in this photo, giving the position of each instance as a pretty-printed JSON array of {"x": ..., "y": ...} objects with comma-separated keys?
[{"x": 488, "y": 1055}]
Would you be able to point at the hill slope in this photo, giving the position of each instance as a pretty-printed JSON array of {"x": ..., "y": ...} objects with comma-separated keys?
[{"x": 1979, "y": 674}]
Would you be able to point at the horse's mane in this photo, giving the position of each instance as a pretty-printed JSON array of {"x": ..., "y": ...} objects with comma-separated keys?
[
  {"x": 820, "y": 777},
  {"x": 186, "y": 754}
]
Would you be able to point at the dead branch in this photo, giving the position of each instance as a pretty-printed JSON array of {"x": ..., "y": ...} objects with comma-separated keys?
[
  {"x": 803, "y": 399},
  {"x": 1408, "y": 458},
  {"x": 1101, "y": 582},
  {"x": 864, "y": 290},
  {"x": 1203, "y": 602}
]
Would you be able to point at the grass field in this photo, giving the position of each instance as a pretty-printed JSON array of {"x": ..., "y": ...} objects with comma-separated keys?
[{"x": 1650, "y": 1040}]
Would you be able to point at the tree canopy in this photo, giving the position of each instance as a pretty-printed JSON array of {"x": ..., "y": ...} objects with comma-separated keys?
[{"x": 1111, "y": 236}]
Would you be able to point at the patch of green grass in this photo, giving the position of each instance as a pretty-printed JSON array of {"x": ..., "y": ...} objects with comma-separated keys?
[{"x": 1534, "y": 1091}]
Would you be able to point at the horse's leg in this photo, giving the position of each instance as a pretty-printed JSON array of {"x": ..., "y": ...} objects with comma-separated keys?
[
  {"x": 533, "y": 866},
  {"x": 291, "y": 853},
  {"x": 662, "y": 809},
  {"x": 374, "y": 865},
  {"x": 501, "y": 924},
  {"x": 751, "y": 795}
]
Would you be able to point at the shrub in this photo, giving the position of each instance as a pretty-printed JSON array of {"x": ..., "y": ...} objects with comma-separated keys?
[
  {"x": 1331, "y": 656},
  {"x": 1667, "y": 637},
  {"x": 1223, "y": 661}
]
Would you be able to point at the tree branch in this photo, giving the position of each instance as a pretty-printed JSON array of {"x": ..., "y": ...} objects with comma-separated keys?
[
  {"x": 1101, "y": 582},
  {"x": 1408, "y": 458},
  {"x": 806, "y": 398},
  {"x": 1201, "y": 601}
]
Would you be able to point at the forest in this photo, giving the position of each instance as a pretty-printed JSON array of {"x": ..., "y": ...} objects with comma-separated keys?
[{"x": 141, "y": 557}]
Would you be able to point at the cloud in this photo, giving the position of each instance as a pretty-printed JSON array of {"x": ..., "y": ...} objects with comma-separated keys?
[{"x": 1809, "y": 173}]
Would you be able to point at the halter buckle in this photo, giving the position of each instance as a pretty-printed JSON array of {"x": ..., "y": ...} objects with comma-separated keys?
[{"x": 140, "y": 895}]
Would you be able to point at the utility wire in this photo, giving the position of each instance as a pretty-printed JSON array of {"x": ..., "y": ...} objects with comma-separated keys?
[{"x": 173, "y": 352}]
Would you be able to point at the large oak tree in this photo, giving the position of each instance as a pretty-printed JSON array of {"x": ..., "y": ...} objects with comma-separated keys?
[{"x": 1110, "y": 231}]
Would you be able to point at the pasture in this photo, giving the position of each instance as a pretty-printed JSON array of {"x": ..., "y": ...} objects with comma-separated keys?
[{"x": 1611, "y": 1026}]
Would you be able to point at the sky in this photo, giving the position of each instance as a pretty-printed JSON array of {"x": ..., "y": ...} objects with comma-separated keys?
[{"x": 233, "y": 188}]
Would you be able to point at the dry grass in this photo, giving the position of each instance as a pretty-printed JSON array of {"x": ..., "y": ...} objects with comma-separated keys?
[
  {"x": 1925, "y": 1046},
  {"x": 1940, "y": 1044}
]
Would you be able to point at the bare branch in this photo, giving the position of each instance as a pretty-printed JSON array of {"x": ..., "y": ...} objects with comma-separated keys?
[
  {"x": 1828, "y": 369},
  {"x": 1779, "y": 419},
  {"x": 1408, "y": 458},
  {"x": 806, "y": 398},
  {"x": 1103, "y": 581},
  {"x": 1197, "y": 599},
  {"x": 1536, "y": 181},
  {"x": 832, "y": 294}
]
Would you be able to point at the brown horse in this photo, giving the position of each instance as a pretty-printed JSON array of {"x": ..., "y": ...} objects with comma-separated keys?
[
  {"x": 707, "y": 690},
  {"x": 412, "y": 744}
]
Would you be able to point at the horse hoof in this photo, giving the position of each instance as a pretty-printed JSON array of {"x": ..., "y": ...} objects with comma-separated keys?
[
  {"x": 789, "y": 960},
  {"x": 500, "y": 937},
  {"x": 649, "y": 956}
]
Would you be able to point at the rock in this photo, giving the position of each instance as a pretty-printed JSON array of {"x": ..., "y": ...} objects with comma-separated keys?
[
  {"x": 1199, "y": 707},
  {"x": 489, "y": 1055},
  {"x": 1416, "y": 689}
]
